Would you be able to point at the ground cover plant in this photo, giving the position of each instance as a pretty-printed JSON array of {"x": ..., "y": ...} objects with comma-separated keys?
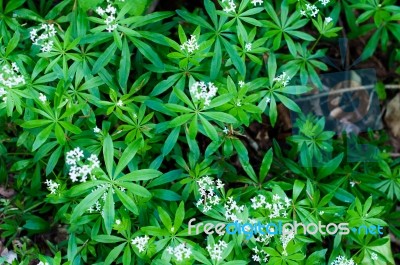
[{"x": 127, "y": 123}]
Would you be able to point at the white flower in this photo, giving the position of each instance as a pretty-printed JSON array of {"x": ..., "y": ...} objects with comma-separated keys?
[
  {"x": 117, "y": 222},
  {"x": 120, "y": 103},
  {"x": 248, "y": 47},
  {"x": 109, "y": 16},
  {"x": 216, "y": 250},
  {"x": 231, "y": 6},
  {"x": 52, "y": 186},
  {"x": 283, "y": 79},
  {"x": 321, "y": 212},
  {"x": 255, "y": 2},
  {"x": 9, "y": 78},
  {"x": 328, "y": 20},
  {"x": 203, "y": 91},
  {"x": 44, "y": 39},
  {"x": 140, "y": 242},
  {"x": 340, "y": 260},
  {"x": 190, "y": 45},
  {"x": 42, "y": 97},
  {"x": 324, "y": 2},
  {"x": 352, "y": 183},
  {"x": 207, "y": 190},
  {"x": 96, "y": 129},
  {"x": 180, "y": 252},
  {"x": 374, "y": 256},
  {"x": 241, "y": 83}
]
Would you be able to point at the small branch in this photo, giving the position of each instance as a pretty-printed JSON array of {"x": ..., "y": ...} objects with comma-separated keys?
[{"x": 340, "y": 91}]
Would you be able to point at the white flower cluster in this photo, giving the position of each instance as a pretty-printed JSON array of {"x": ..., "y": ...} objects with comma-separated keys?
[
  {"x": 231, "y": 7},
  {"x": 283, "y": 79},
  {"x": 109, "y": 16},
  {"x": 340, "y": 260},
  {"x": 232, "y": 210},
  {"x": 328, "y": 20},
  {"x": 140, "y": 242},
  {"x": 199, "y": 90},
  {"x": 277, "y": 208},
  {"x": 42, "y": 98},
  {"x": 255, "y": 2},
  {"x": 97, "y": 206},
  {"x": 9, "y": 78},
  {"x": 180, "y": 251},
  {"x": 374, "y": 256},
  {"x": 73, "y": 158},
  {"x": 207, "y": 188},
  {"x": 311, "y": 10},
  {"x": 324, "y": 2},
  {"x": 52, "y": 186},
  {"x": 248, "y": 47},
  {"x": 260, "y": 255},
  {"x": 190, "y": 45},
  {"x": 217, "y": 249},
  {"x": 44, "y": 39}
]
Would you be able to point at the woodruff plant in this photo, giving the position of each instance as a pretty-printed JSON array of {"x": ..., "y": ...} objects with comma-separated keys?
[{"x": 120, "y": 124}]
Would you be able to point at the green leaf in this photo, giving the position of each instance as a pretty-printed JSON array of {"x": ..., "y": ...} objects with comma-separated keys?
[
  {"x": 124, "y": 66},
  {"x": 42, "y": 137},
  {"x": 70, "y": 127},
  {"x": 87, "y": 202},
  {"x": 236, "y": 60},
  {"x": 34, "y": 123},
  {"x": 127, "y": 201},
  {"x": 109, "y": 211},
  {"x": 266, "y": 164},
  {"x": 171, "y": 141},
  {"x": 113, "y": 255},
  {"x": 220, "y": 116},
  {"x": 127, "y": 156},
  {"x": 142, "y": 174},
  {"x": 148, "y": 52},
  {"x": 104, "y": 58},
  {"x": 210, "y": 130},
  {"x": 88, "y": 4},
  {"x": 108, "y": 153},
  {"x": 136, "y": 189},
  {"x": 165, "y": 218}
]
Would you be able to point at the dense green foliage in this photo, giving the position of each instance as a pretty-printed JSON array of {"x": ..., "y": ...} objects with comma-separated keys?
[{"x": 118, "y": 126}]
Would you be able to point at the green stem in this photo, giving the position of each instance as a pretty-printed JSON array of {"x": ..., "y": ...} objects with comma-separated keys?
[{"x": 316, "y": 42}]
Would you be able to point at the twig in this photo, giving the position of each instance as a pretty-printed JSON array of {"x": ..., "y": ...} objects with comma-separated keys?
[{"x": 344, "y": 90}]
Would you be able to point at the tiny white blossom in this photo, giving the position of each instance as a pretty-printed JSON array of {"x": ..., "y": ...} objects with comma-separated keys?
[
  {"x": 225, "y": 130},
  {"x": 241, "y": 83},
  {"x": 328, "y": 20},
  {"x": 96, "y": 129},
  {"x": 180, "y": 251},
  {"x": 190, "y": 45},
  {"x": 324, "y": 2},
  {"x": 255, "y": 2},
  {"x": 374, "y": 256},
  {"x": 231, "y": 6},
  {"x": 42, "y": 98},
  {"x": 52, "y": 186},
  {"x": 140, "y": 242},
  {"x": 120, "y": 103},
  {"x": 340, "y": 260},
  {"x": 248, "y": 47},
  {"x": 117, "y": 222}
]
